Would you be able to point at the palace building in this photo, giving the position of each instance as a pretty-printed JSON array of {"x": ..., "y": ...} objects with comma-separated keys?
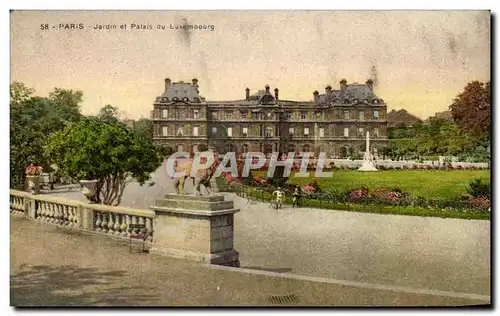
[{"x": 334, "y": 122}]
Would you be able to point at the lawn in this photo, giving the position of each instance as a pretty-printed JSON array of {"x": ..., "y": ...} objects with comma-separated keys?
[{"x": 436, "y": 184}]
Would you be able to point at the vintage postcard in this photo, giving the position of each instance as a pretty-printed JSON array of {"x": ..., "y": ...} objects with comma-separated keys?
[{"x": 250, "y": 158}]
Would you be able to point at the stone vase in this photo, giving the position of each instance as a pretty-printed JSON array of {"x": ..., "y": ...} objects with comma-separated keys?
[
  {"x": 89, "y": 189},
  {"x": 34, "y": 183}
]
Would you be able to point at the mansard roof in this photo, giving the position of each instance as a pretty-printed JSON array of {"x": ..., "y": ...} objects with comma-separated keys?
[
  {"x": 180, "y": 91},
  {"x": 352, "y": 92}
]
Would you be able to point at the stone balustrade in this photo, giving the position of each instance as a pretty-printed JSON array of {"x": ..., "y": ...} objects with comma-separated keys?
[
  {"x": 195, "y": 228},
  {"x": 97, "y": 218}
]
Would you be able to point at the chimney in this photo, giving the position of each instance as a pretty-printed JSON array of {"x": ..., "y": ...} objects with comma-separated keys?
[
  {"x": 247, "y": 90},
  {"x": 167, "y": 83},
  {"x": 267, "y": 88},
  {"x": 328, "y": 92},
  {"x": 343, "y": 85},
  {"x": 316, "y": 94},
  {"x": 195, "y": 84},
  {"x": 369, "y": 83},
  {"x": 276, "y": 93}
]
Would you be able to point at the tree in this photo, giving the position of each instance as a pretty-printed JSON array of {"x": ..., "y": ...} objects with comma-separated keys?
[
  {"x": 109, "y": 113},
  {"x": 19, "y": 92},
  {"x": 471, "y": 109},
  {"x": 144, "y": 128},
  {"x": 67, "y": 104},
  {"x": 108, "y": 152},
  {"x": 32, "y": 119}
]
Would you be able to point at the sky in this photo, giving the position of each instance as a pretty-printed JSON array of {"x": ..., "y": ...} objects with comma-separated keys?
[{"x": 419, "y": 60}]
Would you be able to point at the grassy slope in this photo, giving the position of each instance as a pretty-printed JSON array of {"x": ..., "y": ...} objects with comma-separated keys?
[{"x": 426, "y": 183}]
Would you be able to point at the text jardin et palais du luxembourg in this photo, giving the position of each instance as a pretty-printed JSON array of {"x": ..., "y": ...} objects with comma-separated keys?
[{"x": 170, "y": 26}]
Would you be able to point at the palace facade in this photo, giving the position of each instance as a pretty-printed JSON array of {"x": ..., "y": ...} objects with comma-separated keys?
[{"x": 334, "y": 122}]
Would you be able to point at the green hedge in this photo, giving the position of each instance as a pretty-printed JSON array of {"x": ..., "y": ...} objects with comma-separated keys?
[{"x": 258, "y": 194}]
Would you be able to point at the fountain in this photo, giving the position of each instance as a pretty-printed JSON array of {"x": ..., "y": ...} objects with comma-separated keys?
[{"x": 368, "y": 163}]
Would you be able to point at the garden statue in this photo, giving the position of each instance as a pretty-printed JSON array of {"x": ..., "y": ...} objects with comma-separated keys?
[
  {"x": 368, "y": 163},
  {"x": 202, "y": 177}
]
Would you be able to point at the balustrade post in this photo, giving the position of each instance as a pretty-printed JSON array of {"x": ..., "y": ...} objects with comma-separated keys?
[
  {"x": 86, "y": 216},
  {"x": 29, "y": 208}
]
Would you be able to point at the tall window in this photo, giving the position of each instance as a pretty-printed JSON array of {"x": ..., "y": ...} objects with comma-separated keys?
[
  {"x": 290, "y": 131},
  {"x": 261, "y": 132},
  {"x": 230, "y": 132},
  {"x": 261, "y": 116},
  {"x": 361, "y": 115},
  {"x": 245, "y": 131},
  {"x": 321, "y": 132},
  {"x": 317, "y": 115},
  {"x": 180, "y": 131},
  {"x": 243, "y": 115},
  {"x": 229, "y": 115},
  {"x": 269, "y": 132},
  {"x": 288, "y": 116},
  {"x": 214, "y": 130},
  {"x": 195, "y": 114},
  {"x": 346, "y": 115},
  {"x": 165, "y": 130},
  {"x": 244, "y": 148},
  {"x": 214, "y": 114},
  {"x": 164, "y": 113},
  {"x": 346, "y": 131},
  {"x": 303, "y": 115},
  {"x": 195, "y": 130},
  {"x": 361, "y": 132},
  {"x": 375, "y": 115},
  {"x": 306, "y": 131},
  {"x": 376, "y": 132}
]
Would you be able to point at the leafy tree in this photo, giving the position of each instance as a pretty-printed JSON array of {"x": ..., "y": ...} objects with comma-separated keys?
[
  {"x": 144, "y": 128},
  {"x": 32, "y": 119},
  {"x": 108, "y": 152},
  {"x": 109, "y": 113},
  {"x": 19, "y": 92},
  {"x": 471, "y": 109}
]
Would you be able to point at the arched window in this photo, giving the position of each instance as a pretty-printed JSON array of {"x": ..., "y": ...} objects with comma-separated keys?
[{"x": 375, "y": 101}]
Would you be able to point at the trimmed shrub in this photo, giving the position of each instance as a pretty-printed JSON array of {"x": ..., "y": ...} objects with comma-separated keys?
[{"x": 477, "y": 188}]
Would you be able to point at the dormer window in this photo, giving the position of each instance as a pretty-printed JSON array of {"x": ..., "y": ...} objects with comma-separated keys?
[
  {"x": 185, "y": 99},
  {"x": 164, "y": 99},
  {"x": 158, "y": 99},
  {"x": 375, "y": 101},
  {"x": 365, "y": 100},
  {"x": 196, "y": 100},
  {"x": 355, "y": 101},
  {"x": 346, "y": 101},
  {"x": 175, "y": 99}
]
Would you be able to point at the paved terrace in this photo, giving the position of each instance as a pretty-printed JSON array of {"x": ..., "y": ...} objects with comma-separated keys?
[
  {"x": 450, "y": 255},
  {"x": 52, "y": 266}
]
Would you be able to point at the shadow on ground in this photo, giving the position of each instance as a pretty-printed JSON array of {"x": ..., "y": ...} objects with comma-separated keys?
[
  {"x": 72, "y": 286},
  {"x": 278, "y": 270}
]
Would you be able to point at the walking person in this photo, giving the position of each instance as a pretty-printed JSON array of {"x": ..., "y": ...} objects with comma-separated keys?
[
  {"x": 279, "y": 198},
  {"x": 296, "y": 196}
]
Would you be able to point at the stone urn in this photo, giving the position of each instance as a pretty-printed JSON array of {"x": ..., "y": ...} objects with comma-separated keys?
[
  {"x": 34, "y": 183},
  {"x": 89, "y": 189}
]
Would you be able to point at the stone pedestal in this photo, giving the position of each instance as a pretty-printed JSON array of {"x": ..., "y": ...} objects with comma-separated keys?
[
  {"x": 368, "y": 166},
  {"x": 195, "y": 228}
]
